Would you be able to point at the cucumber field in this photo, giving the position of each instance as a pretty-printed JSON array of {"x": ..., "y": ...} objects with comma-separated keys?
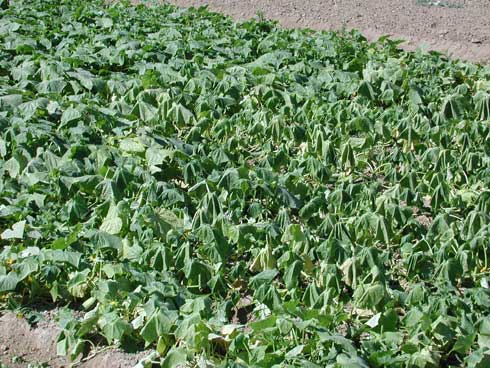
[{"x": 237, "y": 194}]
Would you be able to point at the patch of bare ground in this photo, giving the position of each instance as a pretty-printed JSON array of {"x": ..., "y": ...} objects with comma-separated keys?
[
  {"x": 461, "y": 28},
  {"x": 21, "y": 344}
]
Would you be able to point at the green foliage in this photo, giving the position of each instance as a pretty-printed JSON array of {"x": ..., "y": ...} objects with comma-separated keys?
[
  {"x": 240, "y": 194},
  {"x": 443, "y": 3}
]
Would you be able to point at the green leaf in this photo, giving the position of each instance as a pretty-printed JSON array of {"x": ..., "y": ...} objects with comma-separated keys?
[
  {"x": 478, "y": 359},
  {"x": 145, "y": 111},
  {"x": 13, "y": 167},
  {"x": 106, "y": 240},
  {"x": 174, "y": 358},
  {"x": 105, "y": 22},
  {"x": 26, "y": 268},
  {"x": 61, "y": 256},
  {"x": 132, "y": 145},
  {"x": 112, "y": 223},
  {"x": 371, "y": 296},
  {"x": 294, "y": 352},
  {"x": 453, "y": 107},
  {"x": 8, "y": 282},
  {"x": 268, "y": 322},
  {"x": 482, "y": 105},
  {"x": 156, "y": 155},
  {"x": 17, "y": 231},
  {"x": 69, "y": 115},
  {"x": 3, "y": 149},
  {"x": 374, "y": 320},
  {"x": 114, "y": 328},
  {"x": 463, "y": 343},
  {"x": 264, "y": 277},
  {"x": 53, "y": 86},
  {"x": 337, "y": 340},
  {"x": 159, "y": 324},
  {"x": 291, "y": 276},
  {"x": 414, "y": 97},
  {"x": 366, "y": 90}
]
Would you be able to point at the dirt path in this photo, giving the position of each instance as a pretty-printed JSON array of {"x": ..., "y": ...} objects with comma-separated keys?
[
  {"x": 21, "y": 344},
  {"x": 460, "y": 28}
]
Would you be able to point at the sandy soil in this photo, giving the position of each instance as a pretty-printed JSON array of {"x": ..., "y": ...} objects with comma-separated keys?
[
  {"x": 21, "y": 344},
  {"x": 461, "y": 29}
]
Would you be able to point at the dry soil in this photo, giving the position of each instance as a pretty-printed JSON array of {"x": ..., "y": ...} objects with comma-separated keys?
[{"x": 22, "y": 344}]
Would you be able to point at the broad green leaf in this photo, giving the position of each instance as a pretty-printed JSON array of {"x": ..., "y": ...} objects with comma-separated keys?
[
  {"x": 112, "y": 223},
  {"x": 16, "y": 232},
  {"x": 13, "y": 167},
  {"x": 8, "y": 282},
  {"x": 132, "y": 145},
  {"x": 294, "y": 352},
  {"x": 115, "y": 328},
  {"x": 105, "y": 22},
  {"x": 69, "y": 115},
  {"x": 174, "y": 358}
]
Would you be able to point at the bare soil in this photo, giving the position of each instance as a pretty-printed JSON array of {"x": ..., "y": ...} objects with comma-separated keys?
[
  {"x": 21, "y": 344},
  {"x": 460, "y": 28}
]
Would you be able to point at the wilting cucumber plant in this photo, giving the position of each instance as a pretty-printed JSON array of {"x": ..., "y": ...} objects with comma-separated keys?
[{"x": 238, "y": 194}]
